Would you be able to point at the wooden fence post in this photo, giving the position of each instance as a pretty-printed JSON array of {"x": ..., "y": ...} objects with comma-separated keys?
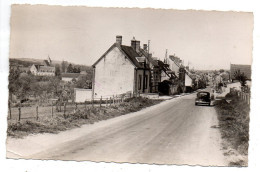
[
  {"x": 19, "y": 115},
  {"x": 106, "y": 102},
  {"x": 100, "y": 102},
  {"x": 64, "y": 109},
  {"x": 85, "y": 104},
  {"x": 52, "y": 108},
  {"x": 9, "y": 106},
  {"x": 130, "y": 95},
  {"x": 113, "y": 100},
  {"x": 92, "y": 102},
  {"x": 37, "y": 115},
  {"x": 110, "y": 101}
]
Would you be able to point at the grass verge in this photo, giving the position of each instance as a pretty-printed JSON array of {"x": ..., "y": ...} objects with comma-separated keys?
[
  {"x": 78, "y": 118},
  {"x": 234, "y": 126}
]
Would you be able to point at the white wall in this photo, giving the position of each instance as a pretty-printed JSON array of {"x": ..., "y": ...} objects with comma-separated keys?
[
  {"x": 188, "y": 81},
  {"x": 81, "y": 95},
  {"x": 174, "y": 67},
  {"x": 114, "y": 75}
]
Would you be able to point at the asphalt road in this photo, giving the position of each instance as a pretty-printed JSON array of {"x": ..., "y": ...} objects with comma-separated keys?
[{"x": 173, "y": 132}]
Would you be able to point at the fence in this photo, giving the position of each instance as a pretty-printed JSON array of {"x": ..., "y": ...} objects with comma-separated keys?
[
  {"x": 244, "y": 96},
  {"x": 35, "y": 112}
]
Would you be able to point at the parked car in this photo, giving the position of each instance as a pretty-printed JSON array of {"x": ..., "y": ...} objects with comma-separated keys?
[{"x": 203, "y": 97}]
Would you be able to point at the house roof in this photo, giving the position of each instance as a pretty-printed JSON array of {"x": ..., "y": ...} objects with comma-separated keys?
[
  {"x": 246, "y": 69},
  {"x": 149, "y": 58},
  {"x": 46, "y": 68},
  {"x": 46, "y": 63},
  {"x": 172, "y": 58},
  {"x": 130, "y": 53},
  {"x": 71, "y": 75}
]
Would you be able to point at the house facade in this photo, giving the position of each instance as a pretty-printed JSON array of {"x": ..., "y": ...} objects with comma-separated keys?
[
  {"x": 44, "y": 69},
  {"x": 120, "y": 70}
]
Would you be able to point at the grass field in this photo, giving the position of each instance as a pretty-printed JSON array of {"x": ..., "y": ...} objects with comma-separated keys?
[{"x": 74, "y": 118}]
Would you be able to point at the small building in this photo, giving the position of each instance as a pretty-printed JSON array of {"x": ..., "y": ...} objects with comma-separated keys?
[
  {"x": 81, "y": 95},
  {"x": 120, "y": 70},
  {"x": 43, "y": 69},
  {"x": 69, "y": 77},
  {"x": 40, "y": 70}
]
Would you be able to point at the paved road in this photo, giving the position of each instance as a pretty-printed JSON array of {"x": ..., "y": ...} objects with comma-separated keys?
[{"x": 173, "y": 132}]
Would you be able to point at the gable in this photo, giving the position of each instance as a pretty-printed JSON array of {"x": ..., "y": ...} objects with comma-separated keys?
[{"x": 128, "y": 52}]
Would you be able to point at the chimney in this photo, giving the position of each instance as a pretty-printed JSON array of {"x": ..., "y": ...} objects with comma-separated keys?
[
  {"x": 145, "y": 47},
  {"x": 135, "y": 45},
  {"x": 119, "y": 39}
]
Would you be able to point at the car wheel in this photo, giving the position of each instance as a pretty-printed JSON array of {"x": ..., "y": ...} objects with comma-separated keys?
[{"x": 196, "y": 104}]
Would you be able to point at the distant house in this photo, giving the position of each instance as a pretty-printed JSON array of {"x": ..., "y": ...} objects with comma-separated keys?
[
  {"x": 120, "y": 70},
  {"x": 44, "y": 69},
  {"x": 246, "y": 69},
  {"x": 175, "y": 64},
  {"x": 68, "y": 77}
]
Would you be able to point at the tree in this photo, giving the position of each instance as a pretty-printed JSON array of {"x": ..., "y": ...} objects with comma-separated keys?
[
  {"x": 70, "y": 68},
  {"x": 240, "y": 77},
  {"x": 57, "y": 70},
  {"x": 84, "y": 81},
  {"x": 13, "y": 82},
  {"x": 63, "y": 67},
  {"x": 221, "y": 70}
]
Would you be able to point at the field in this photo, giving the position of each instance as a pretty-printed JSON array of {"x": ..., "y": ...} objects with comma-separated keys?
[{"x": 73, "y": 117}]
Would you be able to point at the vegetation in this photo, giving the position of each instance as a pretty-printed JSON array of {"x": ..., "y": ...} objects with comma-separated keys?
[
  {"x": 234, "y": 124},
  {"x": 240, "y": 77},
  {"x": 79, "y": 117},
  {"x": 26, "y": 85}
]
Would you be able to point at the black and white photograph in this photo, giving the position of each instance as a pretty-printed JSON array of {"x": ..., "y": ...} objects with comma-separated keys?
[{"x": 129, "y": 85}]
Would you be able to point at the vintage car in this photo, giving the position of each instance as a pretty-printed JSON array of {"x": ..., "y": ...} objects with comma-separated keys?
[{"x": 203, "y": 98}]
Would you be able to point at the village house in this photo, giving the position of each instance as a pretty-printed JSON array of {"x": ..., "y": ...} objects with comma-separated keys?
[
  {"x": 44, "y": 69},
  {"x": 121, "y": 70},
  {"x": 185, "y": 79}
]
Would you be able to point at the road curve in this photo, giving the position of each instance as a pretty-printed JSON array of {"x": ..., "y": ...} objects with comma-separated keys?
[{"x": 173, "y": 132}]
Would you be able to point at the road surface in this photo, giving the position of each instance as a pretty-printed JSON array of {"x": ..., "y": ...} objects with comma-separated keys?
[{"x": 172, "y": 132}]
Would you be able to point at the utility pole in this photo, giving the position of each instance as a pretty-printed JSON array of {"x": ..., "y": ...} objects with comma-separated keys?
[
  {"x": 166, "y": 54},
  {"x": 144, "y": 75}
]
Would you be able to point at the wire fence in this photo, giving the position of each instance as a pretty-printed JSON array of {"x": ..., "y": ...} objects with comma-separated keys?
[{"x": 36, "y": 111}]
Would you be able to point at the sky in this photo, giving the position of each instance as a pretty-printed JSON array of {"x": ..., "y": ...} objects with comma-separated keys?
[{"x": 202, "y": 39}]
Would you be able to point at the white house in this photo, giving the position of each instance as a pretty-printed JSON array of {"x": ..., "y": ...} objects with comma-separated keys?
[
  {"x": 120, "y": 70},
  {"x": 44, "y": 69}
]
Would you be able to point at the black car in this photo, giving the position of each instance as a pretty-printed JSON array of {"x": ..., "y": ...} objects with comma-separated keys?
[{"x": 203, "y": 97}]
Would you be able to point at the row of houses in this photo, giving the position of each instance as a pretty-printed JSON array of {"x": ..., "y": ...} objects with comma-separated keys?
[{"x": 131, "y": 69}]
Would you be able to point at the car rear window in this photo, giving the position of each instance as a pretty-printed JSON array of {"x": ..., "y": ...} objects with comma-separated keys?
[{"x": 203, "y": 94}]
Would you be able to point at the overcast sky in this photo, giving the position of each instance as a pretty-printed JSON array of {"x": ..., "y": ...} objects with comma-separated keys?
[{"x": 207, "y": 40}]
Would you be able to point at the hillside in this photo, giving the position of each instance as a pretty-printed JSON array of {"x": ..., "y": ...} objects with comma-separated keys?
[{"x": 26, "y": 62}]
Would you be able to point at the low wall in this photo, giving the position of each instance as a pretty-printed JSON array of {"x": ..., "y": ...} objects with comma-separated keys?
[{"x": 81, "y": 95}]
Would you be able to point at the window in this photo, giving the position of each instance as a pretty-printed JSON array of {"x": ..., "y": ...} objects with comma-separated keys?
[{"x": 140, "y": 82}]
